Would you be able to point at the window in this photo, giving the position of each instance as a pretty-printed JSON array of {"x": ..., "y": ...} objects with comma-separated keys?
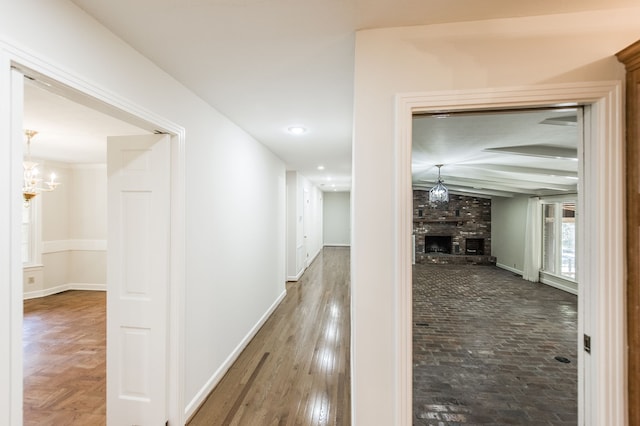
[
  {"x": 31, "y": 234},
  {"x": 27, "y": 233},
  {"x": 559, "y": 239}
]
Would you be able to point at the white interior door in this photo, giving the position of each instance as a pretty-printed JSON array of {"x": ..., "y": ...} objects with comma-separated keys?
[
  {"x": 137, "y": 279},
  {"x": 306, "y": 225}
]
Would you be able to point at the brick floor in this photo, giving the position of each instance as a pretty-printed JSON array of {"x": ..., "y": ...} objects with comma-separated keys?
[{"x": 484, "y": 348}]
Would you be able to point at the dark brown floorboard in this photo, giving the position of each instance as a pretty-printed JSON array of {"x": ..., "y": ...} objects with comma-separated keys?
[
  {"x": 484, "y": 347},
  {"x": 296, "y": 369},
  {"x": 64, "y": 359}
]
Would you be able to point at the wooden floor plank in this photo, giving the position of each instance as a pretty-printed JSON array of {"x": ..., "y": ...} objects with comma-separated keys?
[
  {"x": 305, "y": 379},
  {"x": 65, "y": 359}
]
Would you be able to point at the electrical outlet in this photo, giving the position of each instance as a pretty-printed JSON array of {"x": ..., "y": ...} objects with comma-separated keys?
[{"x": 587, "y": 343}]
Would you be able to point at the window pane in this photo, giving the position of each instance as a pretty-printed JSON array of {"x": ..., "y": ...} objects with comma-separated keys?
[
  {"x": 548, "y": 238},
  {"x": 26, "y": 235},
  {"x": 569, "y": 240}
]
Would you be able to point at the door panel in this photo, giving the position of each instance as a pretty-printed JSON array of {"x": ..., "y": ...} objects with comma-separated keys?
[{"x": 137, "y": 279}]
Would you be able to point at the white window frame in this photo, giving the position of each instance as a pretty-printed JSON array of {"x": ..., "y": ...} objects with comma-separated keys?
[
  {"x": 35, "y": 234},
  {"x": 558, "y": 202}
]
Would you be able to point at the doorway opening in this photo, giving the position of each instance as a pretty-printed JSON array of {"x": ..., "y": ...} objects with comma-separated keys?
[
  {"x": 76, "y": 90},
  {"x": 66, "y": 259},
  {"x": 602, "y": 275},
  {"x": 477, "y": 355}
]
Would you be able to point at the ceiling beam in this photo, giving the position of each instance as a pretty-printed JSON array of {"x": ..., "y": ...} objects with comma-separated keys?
[
  {"x": 546, "y": 151},
  {"x": 505, "y": 184},
  {"x": 521, "y": 170},
  {"x": 460, "y": 190}
]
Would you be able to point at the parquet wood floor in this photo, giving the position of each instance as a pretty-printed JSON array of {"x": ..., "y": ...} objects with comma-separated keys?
[
  {"x": 296, "y": 369},
  {"x": 64, "y": 359}
]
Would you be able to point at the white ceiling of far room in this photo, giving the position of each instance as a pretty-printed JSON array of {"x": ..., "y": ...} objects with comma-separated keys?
[
  {"x": 277, "y": 63},
  {"x": 500, "y": 153}
]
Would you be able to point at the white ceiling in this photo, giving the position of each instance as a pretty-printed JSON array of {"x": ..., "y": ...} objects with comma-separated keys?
[
  {"x": 503, "y": 154},
  {"x": 270, "y": 64},
  {"x": 68, "y": 131}
]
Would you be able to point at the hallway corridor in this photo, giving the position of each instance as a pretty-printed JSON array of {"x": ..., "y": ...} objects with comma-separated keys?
[
  {"x": 296, "y": 368},
  {"x": 485, "y": 344}
]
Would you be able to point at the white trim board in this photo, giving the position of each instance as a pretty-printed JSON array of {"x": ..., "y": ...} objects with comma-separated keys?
[
  {"x": 602, "y": 397},
  {"x": 55, "y": 246},
  {"x": 65, "y": 287},
  {"x": 296, "y": 277},
  {"x": 204, "y": 392},
  {"x": 559, "y": 283},
  {"x": 509, "y": 268}
]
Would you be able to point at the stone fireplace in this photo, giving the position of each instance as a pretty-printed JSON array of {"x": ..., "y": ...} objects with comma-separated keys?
[{"x": 455, "y": 232}]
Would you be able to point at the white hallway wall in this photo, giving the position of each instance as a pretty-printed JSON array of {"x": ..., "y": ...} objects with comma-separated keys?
[
  {"x": 337, "y": 218},
  {"x": 469, "y": 55},
  {"x": 224, "y": 298}
]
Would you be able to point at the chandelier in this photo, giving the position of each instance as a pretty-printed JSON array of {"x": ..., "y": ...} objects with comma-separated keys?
[
  {"x": 439, "y": 193},
  {"x": 31, "y": 186}
]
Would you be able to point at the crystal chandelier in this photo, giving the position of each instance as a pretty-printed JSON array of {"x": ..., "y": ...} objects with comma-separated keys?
[
  {"x": 31, "y": 186},
  {"x": 439, "y": 193}
]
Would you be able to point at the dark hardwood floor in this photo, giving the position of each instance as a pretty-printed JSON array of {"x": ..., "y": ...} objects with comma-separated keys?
[
  {"x": 296, "y": 369},
  {"x": 64, "y": 359}
]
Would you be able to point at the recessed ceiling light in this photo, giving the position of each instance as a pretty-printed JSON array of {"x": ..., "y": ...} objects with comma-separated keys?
[
  {"x": 297, "y": 130},
  {"x": 320, "y": 167}
]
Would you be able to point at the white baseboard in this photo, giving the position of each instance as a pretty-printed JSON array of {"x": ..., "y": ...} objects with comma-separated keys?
[
  {"x": 559, "y": 283},
  {"x": 87, "y": 286},
  {"x": 202, "y": 395},
  {"x": 312, "y": 258},
  {"x": 64, "y": 287},
  {"x": 296, "y": 277},
  {"x": 336, "y": 245},
  {"x": 509, "y": 268},
  {"x": 546, "y": 279}
]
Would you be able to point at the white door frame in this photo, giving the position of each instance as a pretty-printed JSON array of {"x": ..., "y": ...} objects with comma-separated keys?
[
  {"x": 11, "y": 286},
  {"x": 602, "y": 396}
]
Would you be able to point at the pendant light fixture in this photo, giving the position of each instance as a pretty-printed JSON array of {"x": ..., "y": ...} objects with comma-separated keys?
[
  {"x": 31, "y": 186},
  {"x": 439, "y": 193}
]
